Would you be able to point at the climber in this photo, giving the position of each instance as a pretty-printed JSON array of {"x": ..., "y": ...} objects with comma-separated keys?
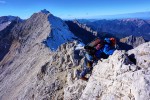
[{"x": 96, "y": 50}]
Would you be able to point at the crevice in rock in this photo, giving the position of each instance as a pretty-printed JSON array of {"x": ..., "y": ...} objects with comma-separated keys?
[
  {"x": 132, "y": 58},
  {"x": 44, "y": 68}
]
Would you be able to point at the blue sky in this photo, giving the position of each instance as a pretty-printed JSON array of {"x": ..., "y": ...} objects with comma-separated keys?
[{"x": 72, "y": 8}]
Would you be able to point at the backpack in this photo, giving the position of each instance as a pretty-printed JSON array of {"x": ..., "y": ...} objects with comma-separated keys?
[
  {"x": 97, "y": 44},
  {"x": 90, "y": 48},
  {"x": 94, "y": 42}
]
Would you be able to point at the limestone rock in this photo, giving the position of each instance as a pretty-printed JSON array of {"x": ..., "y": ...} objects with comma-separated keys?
[
  {"x": 115, "y": 78},
  {"x": 142, "y": 55}
]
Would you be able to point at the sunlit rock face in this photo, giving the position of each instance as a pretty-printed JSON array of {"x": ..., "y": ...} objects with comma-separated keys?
[{"x": 117, "y": 77}]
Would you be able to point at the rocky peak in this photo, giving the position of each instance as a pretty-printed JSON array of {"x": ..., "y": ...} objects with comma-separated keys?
[
  {"x": 45, "y": 11},
  {"x": 30, "y": 60},
  {"x": 54, "y": 28}
]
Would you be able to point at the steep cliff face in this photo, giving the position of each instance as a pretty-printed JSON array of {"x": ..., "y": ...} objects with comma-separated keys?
[{"x": 116, "y": 78}]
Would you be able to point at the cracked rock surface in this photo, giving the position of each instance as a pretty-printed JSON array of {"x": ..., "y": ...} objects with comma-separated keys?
[{"x": 116, "y": 78}]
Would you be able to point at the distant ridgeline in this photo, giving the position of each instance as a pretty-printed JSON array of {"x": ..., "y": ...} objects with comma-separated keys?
[{"x": 122, "y": 27}]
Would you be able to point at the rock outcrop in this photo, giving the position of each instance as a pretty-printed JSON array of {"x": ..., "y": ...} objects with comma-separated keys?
[
  {"x": 133, "y": 41},
  {"x": 130, "y": 42},
  {"x": 116, "y": 78},
  {"x": 141, "y": 55}
]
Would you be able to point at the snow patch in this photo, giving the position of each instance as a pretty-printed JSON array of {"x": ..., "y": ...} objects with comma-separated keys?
[
  {"x": 59, "y": 33},
  {"x": 4, "y": 25}
]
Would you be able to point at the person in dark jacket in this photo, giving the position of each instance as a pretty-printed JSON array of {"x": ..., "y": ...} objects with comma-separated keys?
[{"x": 102, "y": 50}]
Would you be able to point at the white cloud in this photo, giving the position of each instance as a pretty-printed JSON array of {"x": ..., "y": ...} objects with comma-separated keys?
[{"x": 2, "y": 2}]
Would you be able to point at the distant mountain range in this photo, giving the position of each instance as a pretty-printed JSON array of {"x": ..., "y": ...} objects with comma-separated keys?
[
  {"x": 121, "y": 27},
  {"x": 140, "y": 15},
  {"x": 87, "y": 34}
]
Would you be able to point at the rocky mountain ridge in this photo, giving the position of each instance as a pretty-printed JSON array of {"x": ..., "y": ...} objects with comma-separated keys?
[
  {"x": 41, "y": 64},
  {"x": 85, "y": 33},
  {"x": 23, "y": 70}
]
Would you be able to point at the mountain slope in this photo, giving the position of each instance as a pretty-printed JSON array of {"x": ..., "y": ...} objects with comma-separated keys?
[
  {"x": 6, "y": 25},
  {"x": 28, "y": 56},
  {"x": 84, "y": 33},
  {"x": 6, "y": 20}
]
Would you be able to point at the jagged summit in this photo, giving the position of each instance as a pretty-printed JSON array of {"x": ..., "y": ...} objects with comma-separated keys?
[
  {"x": 57, "y": 31},
  {"x": 45, "y": 11}
]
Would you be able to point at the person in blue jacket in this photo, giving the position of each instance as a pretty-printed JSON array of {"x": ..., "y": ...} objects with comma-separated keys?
[{"x": 102, "y": 50}]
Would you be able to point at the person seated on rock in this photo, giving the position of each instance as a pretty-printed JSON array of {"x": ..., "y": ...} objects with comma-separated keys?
[{"x": 101, "y": 49}]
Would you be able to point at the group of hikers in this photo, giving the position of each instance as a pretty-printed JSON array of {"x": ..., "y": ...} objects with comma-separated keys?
[{"x": 96, "y": 50}]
